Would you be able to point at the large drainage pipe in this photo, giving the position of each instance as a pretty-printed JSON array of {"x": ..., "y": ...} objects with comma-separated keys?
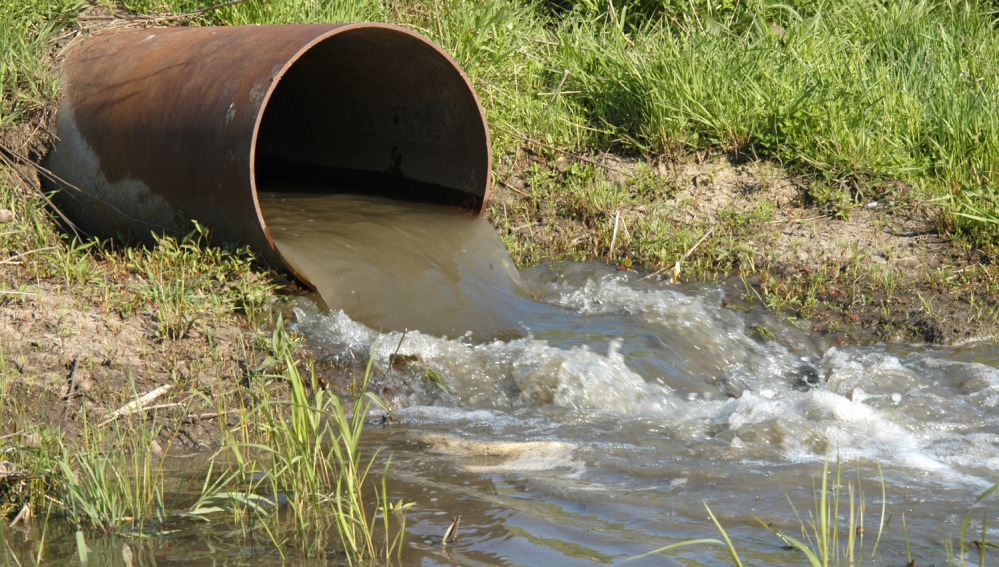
[{"x": 160, "y": 126}]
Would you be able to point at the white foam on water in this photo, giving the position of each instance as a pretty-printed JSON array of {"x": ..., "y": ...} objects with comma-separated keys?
[
  {"x": 909, "y": 410},
  {"x": 979, "y": 382},
  {"x": 707, "y": 339},
  {"x": 455, "y": 415},
  {"x": 868, "y": 370},
  {"x": 879, "y": 408},
  {"x": 498, "y": 374}
]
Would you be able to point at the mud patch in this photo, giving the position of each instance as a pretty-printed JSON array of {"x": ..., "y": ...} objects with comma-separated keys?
[{"x": 64, "y": 362}]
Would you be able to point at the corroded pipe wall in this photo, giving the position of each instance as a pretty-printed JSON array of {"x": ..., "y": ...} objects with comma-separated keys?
[{"x": 160, "y": 126}]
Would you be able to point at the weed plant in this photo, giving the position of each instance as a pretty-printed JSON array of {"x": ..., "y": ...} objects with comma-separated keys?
[
  {"x": 291, "y": 469},
  {"x": 113, "y": 480},
  {"x": 182, "y": 280},
  {"x": 27, "y": 81},
  {"x": 304, "y": 478},
  {"x": 833, "y": 533}
]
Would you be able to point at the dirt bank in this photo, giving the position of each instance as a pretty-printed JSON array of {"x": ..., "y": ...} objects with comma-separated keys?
[{"x": 862, "y": 264}]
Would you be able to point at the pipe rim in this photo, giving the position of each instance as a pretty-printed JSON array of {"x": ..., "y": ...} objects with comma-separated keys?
[{"x": 275, "y": 83}]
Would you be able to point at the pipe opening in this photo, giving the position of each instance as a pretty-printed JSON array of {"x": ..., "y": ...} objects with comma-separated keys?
[
  {"x": 164, "y": 125},
  {"x": 374, "y": 110}
]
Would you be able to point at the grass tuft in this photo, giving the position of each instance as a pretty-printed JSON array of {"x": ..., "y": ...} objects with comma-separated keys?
[{"x": 306, "y": 455}]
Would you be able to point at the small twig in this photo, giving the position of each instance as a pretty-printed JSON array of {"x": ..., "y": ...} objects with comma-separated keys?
[
  {"x": 14, "y": 259},
  {"x": 23, "y": 517},
  {"x": 22, "y": 293},
  {"x": 451, "y": 534},
  {"x": 208, "y": 415},
  {"x": 399, "y": 346},
  {"x": 613, "y": 13},
  {"x": 10, "y": 436},
  {"x": 137, "y": 405},
  {"x": 558, "y": 90},
  {"x": 160, "y": 406},
  {"x": 71, "y": 379},
  {"x": 541, "y": 41},
  {"x": 693, "y": 10},
  {"x": 514, "y": 189},
  {"x": 6, "y": 155},
  {"x": 799, "y": 221},
  {"x": 676, "y": 267},
  {"x": 617, "y": 218}
]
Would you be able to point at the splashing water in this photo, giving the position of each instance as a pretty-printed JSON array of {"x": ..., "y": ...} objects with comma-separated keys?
[{"x": 597, "y": 402}]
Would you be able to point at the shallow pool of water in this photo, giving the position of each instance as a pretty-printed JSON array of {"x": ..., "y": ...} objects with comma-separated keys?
[
  {"x": 594, "y": 423},
  {"x": 603, "y": 439}
]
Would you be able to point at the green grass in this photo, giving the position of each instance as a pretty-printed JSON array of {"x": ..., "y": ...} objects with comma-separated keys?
[
  {"x": 182, "y": 281},
  {"x": 306, "y": 453},
  {"x": 112, "y": 480},
  {"x": 27, "y": 81},
  {"x": 855, "y": 93},
  {"x": 833, "y": 532},
  {"x": 854, "y": 90}
]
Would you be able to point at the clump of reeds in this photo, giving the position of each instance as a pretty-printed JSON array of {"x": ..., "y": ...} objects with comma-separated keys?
[
  {"x": 303, "y": 477},
  {"x": 833, "y": 534}
]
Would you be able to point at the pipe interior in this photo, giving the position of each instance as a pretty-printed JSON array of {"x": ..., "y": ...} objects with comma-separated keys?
[{"x": 374, "y": 110}]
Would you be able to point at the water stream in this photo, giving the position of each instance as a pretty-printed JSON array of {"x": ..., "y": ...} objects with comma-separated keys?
[{"x": 587, "y": 414}]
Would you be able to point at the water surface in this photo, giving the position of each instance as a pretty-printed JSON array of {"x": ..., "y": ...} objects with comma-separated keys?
[{"x": 590, "y": 413}]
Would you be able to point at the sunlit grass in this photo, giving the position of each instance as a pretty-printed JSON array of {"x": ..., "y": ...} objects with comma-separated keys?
[
  {"x": 305, "y": 454},
  {"x": 27, "y": 80},
  {"x": 114, "y": 482},
  {"x": 851, "y": 90},
  {"x": 833, "y": 530},
  {"x": 291, "y": 468}
]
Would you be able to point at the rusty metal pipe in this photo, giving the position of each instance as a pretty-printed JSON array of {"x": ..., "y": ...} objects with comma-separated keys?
[{"x": 163, "y": 125}]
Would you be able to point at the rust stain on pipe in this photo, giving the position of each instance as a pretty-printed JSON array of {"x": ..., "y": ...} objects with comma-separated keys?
[{"x": 163, "y": 125}]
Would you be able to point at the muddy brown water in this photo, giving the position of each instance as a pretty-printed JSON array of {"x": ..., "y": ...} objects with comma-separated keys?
[
  {"x": 589, "y": 414},
  {"x": 397, "y": 265}
]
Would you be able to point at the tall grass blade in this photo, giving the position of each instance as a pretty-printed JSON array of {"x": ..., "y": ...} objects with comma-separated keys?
[
  {"x": 728, "y": 542},
  {"x": 81, "y": 547}
]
